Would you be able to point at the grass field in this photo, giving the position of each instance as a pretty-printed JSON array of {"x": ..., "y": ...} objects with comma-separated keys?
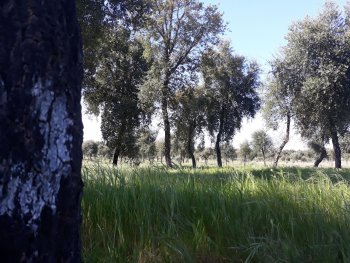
[{"x": 216, "y": 215}]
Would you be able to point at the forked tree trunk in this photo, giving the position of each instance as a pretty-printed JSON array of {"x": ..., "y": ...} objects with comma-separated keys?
[
  {"x": 284, "y": 142},
  {"x": 40, "y": 131}
]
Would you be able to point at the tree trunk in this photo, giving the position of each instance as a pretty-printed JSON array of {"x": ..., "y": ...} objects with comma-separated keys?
[
  {"x": 264, "y": 158},
  {"x": 116, "y": 155},
  {"x": 218, "y": 150},
  {"x": 285, "y": 141},
  {"x": 190, "y": 146},
  {"x": 335, "y": 143},
  {"x": 167, "y": 139},
  {"x": 218, "y": 139},
  {"x": 336, "y": 149},
  {"x": 40, "y": 132},
  {"x": 121, "y": 135},
  {"x": 323, "y": 154}
]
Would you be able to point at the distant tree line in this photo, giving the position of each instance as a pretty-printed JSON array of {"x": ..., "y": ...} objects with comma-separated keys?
[{"x": 161, "y": 60}]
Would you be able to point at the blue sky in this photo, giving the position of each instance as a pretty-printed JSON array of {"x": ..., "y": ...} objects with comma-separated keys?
[
  {"x": 256, "y": 30},
  {"x": 258, "y": 27}
]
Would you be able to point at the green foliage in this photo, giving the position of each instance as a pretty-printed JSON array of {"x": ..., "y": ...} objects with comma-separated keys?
[
  {"x": 147, "y": 144},
  {"x": 245, "y": 151},
  {"x": 228, "y": 152},
  {"x": 315, "y": 69},
  {"x": 90, "y": 148},
  {"x": 277, "y": 100},
  {"x": 215, "y": 215},
  {"x": 261, "y": 143},
  {"x": 176, "y": 34},
  {"x": 231, "y": 84}
]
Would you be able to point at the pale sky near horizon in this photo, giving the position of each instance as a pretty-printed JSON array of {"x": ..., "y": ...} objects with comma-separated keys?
[{"x": 256, "y": 29}]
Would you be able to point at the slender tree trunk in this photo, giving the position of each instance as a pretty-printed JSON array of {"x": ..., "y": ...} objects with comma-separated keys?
[
  {"x": 116, "y": 155},
  {"x": 190, "y": 146},
  {"x": 285, "y": 141},
  {"x": 40, "y": 132},
  {"x": 218, "y": 139},
  {"x": 166, "y": 123},
  {"x": 218, "y": 150},
  {"x": 336, "y": 149},
  {"x": 323, "y": 154},
  {"x": 264, "y": 158}
]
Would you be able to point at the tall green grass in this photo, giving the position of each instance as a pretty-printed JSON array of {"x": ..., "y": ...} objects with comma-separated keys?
[{"x": 215, "y": 215}]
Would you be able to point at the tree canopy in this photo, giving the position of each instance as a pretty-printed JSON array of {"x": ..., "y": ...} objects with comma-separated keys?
[
  {"x": 231, "y": 84},
  {"x": 317, "y": 58}
]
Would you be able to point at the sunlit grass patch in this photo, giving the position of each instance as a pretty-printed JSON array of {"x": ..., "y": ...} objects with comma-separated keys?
[{"x": 215, "y": 215}]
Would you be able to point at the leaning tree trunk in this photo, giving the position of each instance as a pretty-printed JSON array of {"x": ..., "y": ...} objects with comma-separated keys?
[
  {"x": 40, "y": 131},
  {"x": 323, "y": 154},
  {"x": 284, "y": 142}
]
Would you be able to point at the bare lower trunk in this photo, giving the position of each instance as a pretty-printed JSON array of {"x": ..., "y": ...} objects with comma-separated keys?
[
  {"x": 264, "y": 157},
  {"x": 285, "y": 141},
  {"x": 218, "y": 140},
  {"x": 40, "y": 132},
  {"x": 323, "y": 154},
  {"x": 121, "y": 136},
  {"x": 116, "y": 156},
  {"x": 167, "y": 139},
  {"x": 335, "y": 143},
  {"x": 218, "y": 150},
  {"x": 337, "y": 150},
  {"x": 190, "y": 146}
]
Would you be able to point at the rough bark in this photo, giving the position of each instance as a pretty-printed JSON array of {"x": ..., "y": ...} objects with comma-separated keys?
[
  {"x": 284, "y": 142},
  {"x": 323, "y": 154},
  {"x": 40, "y": 131},
  {"x": 336, "y": 149}
]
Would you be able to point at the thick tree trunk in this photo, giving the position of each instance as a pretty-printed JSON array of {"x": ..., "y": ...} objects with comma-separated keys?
[
  {"x": 166, "y": 123},
  {"x": 190, "y": 145},
  {"x": 323, "y": 154},
  {"x": 336, "y": 149},
  {"x": 285, "y": 141},
  {"x": 40, "y": 132}
]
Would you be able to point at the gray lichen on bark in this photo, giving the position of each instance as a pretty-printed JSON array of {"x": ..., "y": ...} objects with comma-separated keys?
[{"x": 42, "y": 183}]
